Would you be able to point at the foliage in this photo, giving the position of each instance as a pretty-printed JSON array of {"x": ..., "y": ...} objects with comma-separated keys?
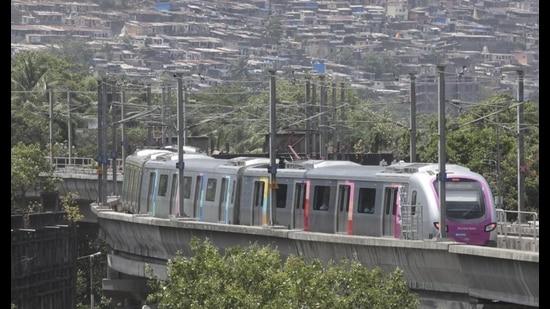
[
  {"x": 239, "y": 69},
  {"x": 380, "y": 63},
  {"x": 274, "y": 30},
  {"x": 257, "y": 277},
  {"x": 30, "y": 169},
  {"x": 33, "y": 74},
  {"x": 75, "y": 51},
  {"x": 70, "y": 206},
  {"x": 88, "y": 243}
]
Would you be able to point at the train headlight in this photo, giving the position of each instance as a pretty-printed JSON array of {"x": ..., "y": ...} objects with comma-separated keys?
[
  {"x": 490, "y": 227},
  {"x": 436, "y": 224}
]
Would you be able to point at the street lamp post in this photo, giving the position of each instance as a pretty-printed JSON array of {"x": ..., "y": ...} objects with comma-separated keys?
[{"x": 91, "y": 256}]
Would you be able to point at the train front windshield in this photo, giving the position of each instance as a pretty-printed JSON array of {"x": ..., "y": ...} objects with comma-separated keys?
[{"x": 464, "y": 199}]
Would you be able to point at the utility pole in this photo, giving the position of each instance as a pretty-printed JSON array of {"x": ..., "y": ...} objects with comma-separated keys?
[
  {"x": 413, "y": 118},
  {"x": 91, "y": 256},
  {"x": 149, "y": 124},
  {"x": 315, "y": 121},
  {"x": 308, "y": 109},
  {"x": 103, "y": 136},
  {"x": 185, "y": 101},
  {"x": 99, "y": 158},
  {"x": 170, "y": 127},
  {"x": 69, "y": 128},
  {"x": 114, "y": 151},
  {"x": 497, "y": 164},
  {"x": 99, "y": 126},
  {"x": 123, "y": 141},
  {"x": 323, "y": 119},
  {"x": 442, "y": 158},
  {"x": 342, "y": 117},
  {"x": 180, "y": 165},
  {"x": 50, "y": 99},
  {"x": 335, "y": 131},
  {"x": 521, "y": 159},
  {"x": 163, "y": 117},
  {"x": 272, "y": 149}
]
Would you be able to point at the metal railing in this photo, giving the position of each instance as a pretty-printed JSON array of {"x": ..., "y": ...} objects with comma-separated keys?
[
  {"x": 518, "y": 226},
  {"x": 81, "y": 165},
  {"x": 517, "y": 223}
]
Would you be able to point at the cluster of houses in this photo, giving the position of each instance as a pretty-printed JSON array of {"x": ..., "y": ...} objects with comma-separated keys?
[{"x": 480, "y": 42}]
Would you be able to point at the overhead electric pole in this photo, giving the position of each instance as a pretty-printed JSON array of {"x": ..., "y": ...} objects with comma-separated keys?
[
  {"x": 272, "y": 149},
  {"x": 413, "y": 119},
  {"x": 442, "y": 157},
  {"x": 521, "y": 159},
  {"x": 50, "y": 99},
  {"x": 308, "y": 111},
  {"x": 149, "y": 123},
  {"x": 180, "y": 164},
  {"x": 323, "y": 119}
]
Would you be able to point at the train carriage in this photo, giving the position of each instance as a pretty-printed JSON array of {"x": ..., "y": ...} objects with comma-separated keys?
[
  {"x": 255, "y": 204},
  {"x": 398, "y": 201}
]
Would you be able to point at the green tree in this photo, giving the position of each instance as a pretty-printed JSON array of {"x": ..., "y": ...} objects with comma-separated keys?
[
  {"x": 257, "y": 277},
  {"x": 380, "y": 63},
  {"x": 239, "y": 69},
  {"x": 70, "y": 206},
  {"x": 30, "y": 169},
  {"x": 75, "y": 50},
  {"x": 32, "y": 75},
  {"x": 274, "y": 30}
]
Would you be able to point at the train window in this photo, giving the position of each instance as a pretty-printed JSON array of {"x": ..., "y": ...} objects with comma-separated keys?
[
  {"x": 366, "y": 200},
  {"x": 163, "y": 185},
  {"x": 173, "y": 190},
  {"x": 259, "y": 193},
  {"x": 281, "y": 196},
  {"x": 343, "y": 198},
  {"x": 300, "y": 193},
  {"x": 132, "y": 195},
  {"x": 390, "y": 200},
  {"x": 464, "y": 204},
  {"x": 394, "y": 204},
  {"x": 413, "y": 202},
  {"x": 198, "y": 191},
  {"x": 186, "y": 187},
  {"x": 150, "y": 193},
  {"x": 321, "y": 198},
  {"x": 233, "y": 192},
  {"x": 211, "y": 189},
  {"x": 223, "y": 191}
]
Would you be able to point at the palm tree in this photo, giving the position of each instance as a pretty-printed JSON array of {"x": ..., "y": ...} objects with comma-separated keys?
[{"x": 239, "y": 69}]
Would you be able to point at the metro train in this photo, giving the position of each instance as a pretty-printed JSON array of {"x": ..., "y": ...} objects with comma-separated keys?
[{"x": 328, "y": 196}]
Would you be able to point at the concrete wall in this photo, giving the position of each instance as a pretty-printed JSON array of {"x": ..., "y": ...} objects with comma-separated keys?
[{"x": 433, "y": 266}]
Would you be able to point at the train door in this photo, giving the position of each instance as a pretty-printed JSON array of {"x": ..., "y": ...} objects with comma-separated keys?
[
  {"x": 260, "y": 202},
  {"x": 209, "y": 210},
  {"x": 198, "y": 197},
  {"x": 389, "y": 211},
  {"x": 223, "y": 207},
  {"x": 161, "y": 203},
  {"x": 344, "y": 208},
  {"x": 176, "y": 195},
  {"x": 298, "y": 206},
  {"x": 283, "y": 214},
  {"x": 151, "y": 193}
]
